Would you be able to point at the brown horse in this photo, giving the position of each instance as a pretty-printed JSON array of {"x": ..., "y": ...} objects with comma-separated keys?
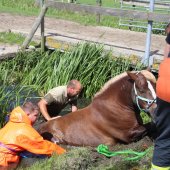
[{"x": 113, "y": 116}]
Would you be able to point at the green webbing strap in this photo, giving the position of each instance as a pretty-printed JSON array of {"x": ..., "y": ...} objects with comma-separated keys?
[{"x": 103, "y": 149}]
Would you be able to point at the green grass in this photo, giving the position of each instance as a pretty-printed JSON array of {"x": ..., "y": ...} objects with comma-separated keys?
[
  {"x": 145, "y": 117},
  {"x": 85, "y": 158},
  {"x": 78, "y": 158},
  {"x": 13, "y": 38},
  {"x": 29, "y": 7},
  {"x": 105, "y": 3},
  {"x": 26, "y": 7}
]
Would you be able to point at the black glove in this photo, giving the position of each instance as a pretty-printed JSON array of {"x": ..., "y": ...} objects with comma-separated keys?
[{"x": 168, "y": 39}]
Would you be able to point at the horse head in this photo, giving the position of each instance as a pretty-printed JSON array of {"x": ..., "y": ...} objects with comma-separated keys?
[{"x": 143, "y": 92}]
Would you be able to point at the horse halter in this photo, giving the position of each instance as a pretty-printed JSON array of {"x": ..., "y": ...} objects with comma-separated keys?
[{"x": 149, "y": 101}]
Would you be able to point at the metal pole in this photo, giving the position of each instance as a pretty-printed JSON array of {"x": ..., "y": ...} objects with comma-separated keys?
[
  {"x": 148, "y": 39},
  {"x": 42, "y": 31}
]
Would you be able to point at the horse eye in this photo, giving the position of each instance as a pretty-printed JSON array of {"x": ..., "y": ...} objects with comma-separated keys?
[{"x": 141, "y": 91}]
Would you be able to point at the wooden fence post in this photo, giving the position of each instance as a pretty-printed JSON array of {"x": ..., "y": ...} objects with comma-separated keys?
[
  {"x": 99, "y": 3},
  {"x": 42, "y": 30},
  {"x": 34, "y": 27}
]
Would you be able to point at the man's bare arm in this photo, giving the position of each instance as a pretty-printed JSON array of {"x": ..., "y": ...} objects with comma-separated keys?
[{"x": 43, "y": 108}]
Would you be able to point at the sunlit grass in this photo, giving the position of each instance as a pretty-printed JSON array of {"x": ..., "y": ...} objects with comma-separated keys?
[
  {"x": 13, "y": 38},
  {"x": 31, "y": 7}
]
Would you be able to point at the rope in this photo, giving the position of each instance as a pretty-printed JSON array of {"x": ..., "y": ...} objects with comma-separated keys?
[{"x": 103, "y": 149}]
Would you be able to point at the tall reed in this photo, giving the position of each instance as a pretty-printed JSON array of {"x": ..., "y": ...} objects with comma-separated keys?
[
  {"x": 35, "y": 71},
  {"x": 88, "y": 63}
]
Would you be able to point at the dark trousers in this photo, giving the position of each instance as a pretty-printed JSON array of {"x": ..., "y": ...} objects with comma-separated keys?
[{"x": 161, "y": 155}]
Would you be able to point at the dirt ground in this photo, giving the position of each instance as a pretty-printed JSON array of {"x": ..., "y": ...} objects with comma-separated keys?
[
  {"x": 87, "y": 158},
  {"x": 120, "y": 41}
]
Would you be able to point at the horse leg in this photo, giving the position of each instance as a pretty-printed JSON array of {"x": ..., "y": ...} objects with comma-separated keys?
[
  {"x": 49, "y": 132},
  {"x": 138, "y": 133},
  {"x": 110, "y": 141},
  {"x": 151, "y": 130}
]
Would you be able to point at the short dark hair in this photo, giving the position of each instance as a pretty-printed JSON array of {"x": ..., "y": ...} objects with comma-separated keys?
[
  {"x": 73, "y": 83},
  {"x": 30, "y": 107}
]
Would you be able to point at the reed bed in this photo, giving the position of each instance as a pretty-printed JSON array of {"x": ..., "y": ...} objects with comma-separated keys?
[
  {"x": 39, "y": 72},
  {"x": 88, "y": 63}
]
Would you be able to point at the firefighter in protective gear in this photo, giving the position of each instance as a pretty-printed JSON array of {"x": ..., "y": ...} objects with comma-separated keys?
[
  {"x": 18, "y": 135},
  {"x": 161, "y": 154}
]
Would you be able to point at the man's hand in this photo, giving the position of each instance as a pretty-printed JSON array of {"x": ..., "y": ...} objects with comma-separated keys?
[
  {"x": 56, "y": 117},
  {"x": 73, "y": 108},
  {"x": 43, "y": 109}
]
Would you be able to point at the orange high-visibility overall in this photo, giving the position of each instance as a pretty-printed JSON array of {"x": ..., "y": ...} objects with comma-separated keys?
[
  {"x": 161, "y": 154},
  {"x": 163, "y": 83},
  {"x": 19, "y": 135}
]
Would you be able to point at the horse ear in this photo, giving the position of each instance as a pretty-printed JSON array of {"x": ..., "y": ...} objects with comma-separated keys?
[
  {"x": 149, "y": 76},
  {"x": 133, "y": 76},
  {"x": 148, "y": 69}
]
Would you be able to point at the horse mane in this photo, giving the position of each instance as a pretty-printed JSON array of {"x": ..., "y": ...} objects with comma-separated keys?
[
  {"x": 111, "y": 81},
  {"x": 148, "y": 75}
]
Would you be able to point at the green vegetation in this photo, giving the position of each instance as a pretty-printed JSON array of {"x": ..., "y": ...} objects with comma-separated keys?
[
  {"x": 87, "y": 158},
  {"x": 30, "y": 7},
  {"x": 83, "y": 62},
  {"x": 145, "y": 117},
  {"x": 24, "y": 7},
  {"x": 78, "y": 158},
  {"x": 33, "y": 70},
  {"x": 13, "y": 38}
]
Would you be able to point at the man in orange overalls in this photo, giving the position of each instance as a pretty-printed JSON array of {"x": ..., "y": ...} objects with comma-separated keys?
[
  {"x": 18, "y": 135},
  {"x": 161, "y": 155}
]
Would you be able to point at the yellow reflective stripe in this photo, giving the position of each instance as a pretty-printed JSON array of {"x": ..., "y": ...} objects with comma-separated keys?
[{"x": 154, "y": 167}]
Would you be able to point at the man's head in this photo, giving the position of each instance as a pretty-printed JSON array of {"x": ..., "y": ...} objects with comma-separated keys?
[
  {"x": 32, "y": 110},
  {"x": 74, "y": 87}
]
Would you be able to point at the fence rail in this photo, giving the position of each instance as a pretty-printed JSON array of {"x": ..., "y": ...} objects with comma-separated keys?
[
  {"x": 159, "y": 6},
  {"x": 150, "y": 16}
]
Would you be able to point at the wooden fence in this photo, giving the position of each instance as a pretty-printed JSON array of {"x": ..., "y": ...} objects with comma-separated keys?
[{"x": 149, "y": 16}]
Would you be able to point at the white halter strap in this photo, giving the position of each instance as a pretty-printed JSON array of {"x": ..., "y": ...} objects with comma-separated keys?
[{"x": 149, "y": 101}]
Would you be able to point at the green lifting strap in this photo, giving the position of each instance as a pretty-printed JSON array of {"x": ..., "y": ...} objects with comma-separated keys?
[{"x": 103, "y": 149}]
